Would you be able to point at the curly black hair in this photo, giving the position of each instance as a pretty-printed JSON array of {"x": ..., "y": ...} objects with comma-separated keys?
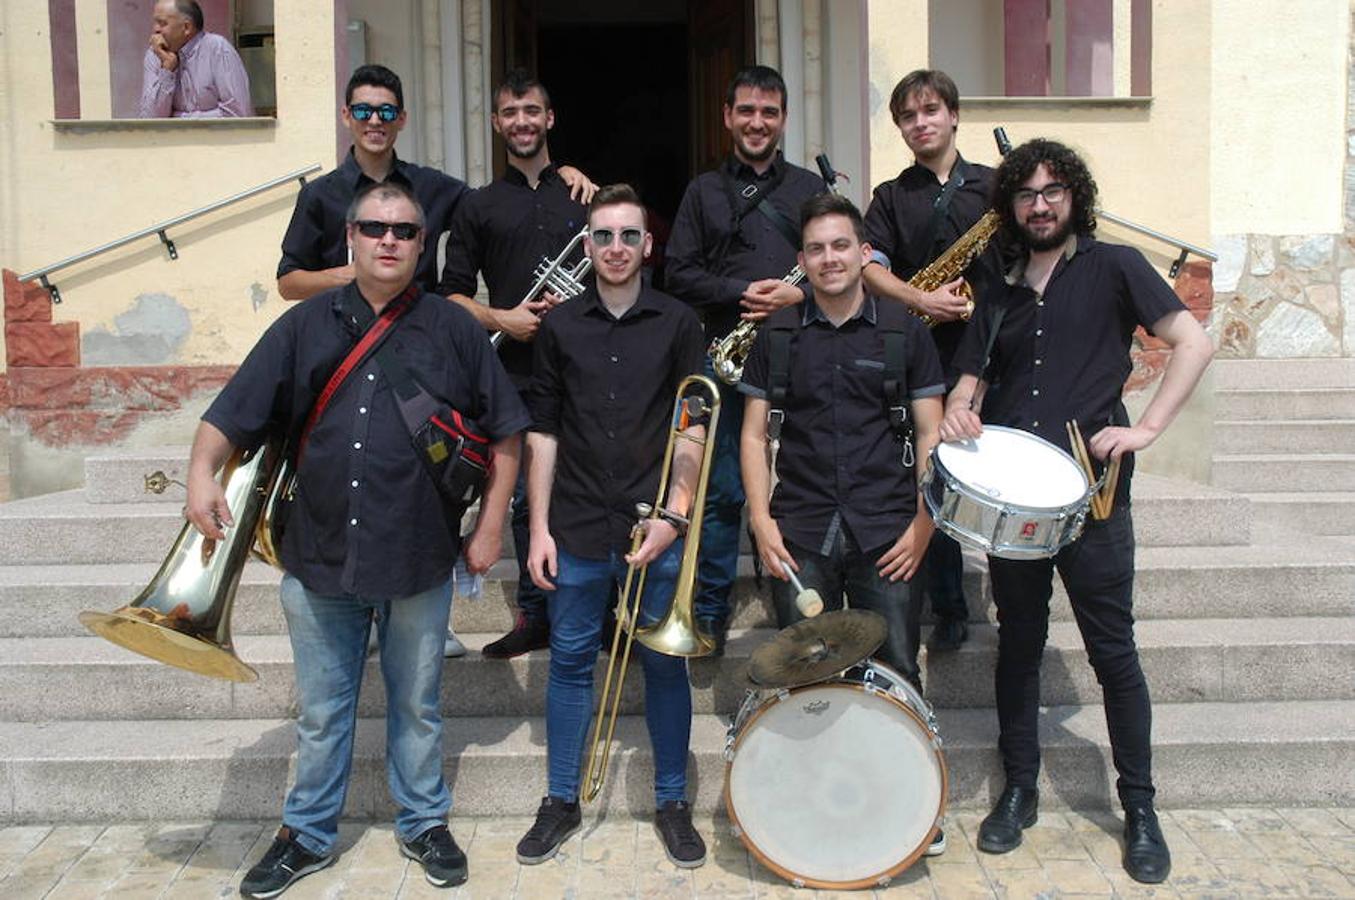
[{"x": 1063, "y": 164}]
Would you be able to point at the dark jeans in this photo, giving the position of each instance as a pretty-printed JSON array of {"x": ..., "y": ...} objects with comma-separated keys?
[
  {"x": 846, "y": 570},
  {"x": 945, "y": 577},
  {"x": 719, "y": 564},
  {"x": 1098, "y": 572},
  {"x": 531, "y": 599}
]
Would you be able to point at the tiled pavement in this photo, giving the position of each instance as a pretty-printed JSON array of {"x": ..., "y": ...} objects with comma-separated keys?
[{"x": 1216, "y": 853}]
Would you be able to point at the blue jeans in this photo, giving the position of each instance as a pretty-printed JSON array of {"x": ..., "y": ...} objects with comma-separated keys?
[
  {"x": 583, "y": 590},
  {"x": 847, "y": 570},
  {"x": 719, "y": 564},
  {"x": 329, "y": 649},
  {"x": 531, "y": 599}
]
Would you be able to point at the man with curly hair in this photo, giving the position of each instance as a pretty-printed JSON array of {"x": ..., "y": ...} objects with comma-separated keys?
[{"x": 1059, "y": 352}]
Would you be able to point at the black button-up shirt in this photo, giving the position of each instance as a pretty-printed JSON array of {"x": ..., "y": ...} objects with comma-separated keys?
[
  {"x": 1064, "y": 354},
  {"x": 839, "y": 460},
  {"x": 505, "y": 229},
  {"x": 605, "y": 388},
  {"x": 708, "y": 263},
  {"x": 367, "y": 520},
  {"x": 898, "y": 221},
  {"x": 315, "y": 237}
]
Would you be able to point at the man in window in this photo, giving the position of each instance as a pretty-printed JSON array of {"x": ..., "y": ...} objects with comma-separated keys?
[{"x": 190, "y": 73}]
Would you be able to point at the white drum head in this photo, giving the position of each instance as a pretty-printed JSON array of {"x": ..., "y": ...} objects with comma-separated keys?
[
  {"x": 835, "y": 785},
  {"x": 1015, "y": 467}
]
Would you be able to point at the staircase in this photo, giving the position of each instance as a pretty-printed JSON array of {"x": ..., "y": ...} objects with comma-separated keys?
[{"x": 1245, "y": 630}]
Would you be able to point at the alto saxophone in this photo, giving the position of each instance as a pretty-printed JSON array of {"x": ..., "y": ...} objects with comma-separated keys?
[
  {"x": 951, "y": 264},
  {"x": 728, "y": 354}
]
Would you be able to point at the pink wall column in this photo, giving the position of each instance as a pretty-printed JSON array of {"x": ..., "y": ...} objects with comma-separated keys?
[
  {"x": 1026, "y": 42},
  {"x": 65, "y": 59},
  {"x": 1089, "y": 44}
]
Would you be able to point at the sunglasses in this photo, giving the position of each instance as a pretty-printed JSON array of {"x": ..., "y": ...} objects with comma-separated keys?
[
  {"x": 403, "y": 231},
  {"x": 386, "y": 112},
  {"x": 631, "y": 237}
]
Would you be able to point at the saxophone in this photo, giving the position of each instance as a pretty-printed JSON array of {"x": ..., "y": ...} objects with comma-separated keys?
[
  {"x": 951, "y": 264},
  {"x": 728, "y": 354}
]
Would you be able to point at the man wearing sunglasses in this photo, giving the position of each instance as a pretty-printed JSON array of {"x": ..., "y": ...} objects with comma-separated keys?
[
  {"x": 1055, "y": 349},
  {"x": 503, "y": 231},
  {"x": 369, "y": 535},
  {"x": 606, "y": 371},
  {"x": 734, "y": 239}
]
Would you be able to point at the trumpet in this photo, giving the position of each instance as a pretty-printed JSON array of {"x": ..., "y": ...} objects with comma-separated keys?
[
  {"x": 728, "y": 354},
  {"x": 554, "y": 275},
  {"x": 698, "y": 400}
]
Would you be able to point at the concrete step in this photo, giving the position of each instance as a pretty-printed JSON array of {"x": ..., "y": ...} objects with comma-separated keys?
[
  {"x": 119, "y": 475},
  {"x": 1278, "y": 754},
  {"x": 1264, "y": 473},
  {"x": 1285, "y": 436},
  {"x": 1253, "y": 374},
  {"x": 1296, "y": 403},
  {"x": 1307, "y": 512},
  {"x": 1282, "y": 575},
  {"x": 50, "y": 679}
]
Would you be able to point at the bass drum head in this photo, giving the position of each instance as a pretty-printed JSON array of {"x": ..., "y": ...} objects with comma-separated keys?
[
  {"x": 1015, "y": 467},
  {"x": 835, "y": 786}
]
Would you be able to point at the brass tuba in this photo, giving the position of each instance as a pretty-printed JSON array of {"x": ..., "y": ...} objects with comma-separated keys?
[
  {"x": 183, "y": 616},
  {"x": 554, "y": 275},
  {"x": 698, "y": 399}
]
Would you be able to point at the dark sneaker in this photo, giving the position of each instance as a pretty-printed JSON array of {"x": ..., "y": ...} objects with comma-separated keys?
[
  {"x": 443, "y": 862},
  {"x": 527, "y": 635},
  {"x": 555, "y": 821},
  {"x": 938, "y": 844},
  {"x": 948, "y": 635},
  {"x": 284, "y": 863},
  {"x": 681, "y": 841}
]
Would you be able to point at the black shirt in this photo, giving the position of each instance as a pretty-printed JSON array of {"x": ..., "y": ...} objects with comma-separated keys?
[
  {"x": 1065, "y": 354},
  {"x": 708, "y": 263},
  {"x": 605, "y": 388},
  {"x": 838, "y": 454},
  {"x": 505, "y": 229},
  {"x": 899, "y": 222},
  {"x": 315, "y": 237},
  {"x": 367, "y": 520}
]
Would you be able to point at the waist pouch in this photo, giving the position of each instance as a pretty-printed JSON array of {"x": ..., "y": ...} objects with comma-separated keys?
[{"x": 454, "y": 452}]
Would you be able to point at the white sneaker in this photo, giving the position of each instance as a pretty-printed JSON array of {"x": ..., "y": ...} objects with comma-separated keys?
[{"x": 453, "y": 647}]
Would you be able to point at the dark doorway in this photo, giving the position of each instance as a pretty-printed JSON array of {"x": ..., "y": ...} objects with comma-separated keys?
[{"x": 637, "y": 87}]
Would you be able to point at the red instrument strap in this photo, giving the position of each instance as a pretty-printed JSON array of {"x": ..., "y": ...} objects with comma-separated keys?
[{"x": 394, "y": 310}]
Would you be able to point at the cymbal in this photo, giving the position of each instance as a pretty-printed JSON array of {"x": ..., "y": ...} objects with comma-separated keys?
[{"x": 813, "y": 649}]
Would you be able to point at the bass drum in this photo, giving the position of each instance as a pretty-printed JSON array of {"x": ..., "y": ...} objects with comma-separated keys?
[{"x": 838, "y": 784}]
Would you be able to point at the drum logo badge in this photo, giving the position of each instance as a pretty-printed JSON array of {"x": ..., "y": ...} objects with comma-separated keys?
[
  {"x": 1028, "y": 530},
  {"x": 817, "y": 707}
]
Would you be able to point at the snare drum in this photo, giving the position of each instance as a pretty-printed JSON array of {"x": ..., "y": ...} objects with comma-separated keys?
[
  {"x": 1008, "y": 493},
  {"x": 837, "y": 784}
]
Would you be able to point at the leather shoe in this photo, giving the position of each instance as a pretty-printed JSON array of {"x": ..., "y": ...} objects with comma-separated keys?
[
  {"x": 948, "y": 635},
  {"x": 1146, "y": 857},
  {"x": 527, "y": 635},
  {"x": 1017, "y": 808}
]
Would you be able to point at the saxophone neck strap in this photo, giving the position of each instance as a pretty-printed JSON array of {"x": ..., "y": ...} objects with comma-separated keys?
[{"x": 960, "y": 175}]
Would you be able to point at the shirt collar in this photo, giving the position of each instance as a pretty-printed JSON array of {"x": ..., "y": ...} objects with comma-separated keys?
[
  {"x": 645, "y": 304},
  {"x": 740, "y": 169},
  {"x": 192, "y": 45},
  {"x": 353, "y": 174},
  {"x": 1076, "y": 243},
  {"x": 813, "y": 314},
  {"x": 515, "y": 176}
]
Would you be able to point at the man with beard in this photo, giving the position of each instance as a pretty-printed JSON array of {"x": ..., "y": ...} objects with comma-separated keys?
[
  {"x": 846, "y": 514},
  {"x": 504, "y": 230},
  {"x": 189, "y": 73},
  {"x": 911, "y": 221},
  {"x": 607, "y": 367},
  {"x": 734, "y": 240},
  {"x": 1060, "y": 353}
]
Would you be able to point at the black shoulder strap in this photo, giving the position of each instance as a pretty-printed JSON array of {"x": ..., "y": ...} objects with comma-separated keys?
[
  {"x": 780, "y": 221},
  {"x": 895, "y": 384},
  {"x": 778, "y": 378},
  {"x": 995, "y": 323},
  {"x": 960, "y": 174},
  {"x": 414, "y": 401}
]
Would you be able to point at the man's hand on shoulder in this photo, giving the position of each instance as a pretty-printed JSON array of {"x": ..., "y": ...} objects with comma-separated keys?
[
  {"x": 169, "y": 60},
  {"x": 581, "y": 188}
]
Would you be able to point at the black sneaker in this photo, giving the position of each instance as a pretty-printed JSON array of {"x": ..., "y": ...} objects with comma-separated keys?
[
  {"x": 555, "y": 821},
  {"x": 938, "y": 844},
  {"x": 681, "y": 841},
  {"x": 948, "y": 635},
  {"x": 527, "y": 635},
  {"x": 443, "y": 862},
  {"x": 285, "y": 862}
]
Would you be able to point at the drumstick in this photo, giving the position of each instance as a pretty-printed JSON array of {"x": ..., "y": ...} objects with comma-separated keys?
[
  {"x": 1080, "y": 453},
  {"x": 1108, "y": 492},
  {"x": 808, "y": 602}
]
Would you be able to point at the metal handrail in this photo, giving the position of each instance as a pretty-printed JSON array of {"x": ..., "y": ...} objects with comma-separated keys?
[
  {"x": 1185, "y": 248},
  {"x": 160, "y": 228}
]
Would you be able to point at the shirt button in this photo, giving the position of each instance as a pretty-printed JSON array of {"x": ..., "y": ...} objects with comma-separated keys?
[
  {"x": 352, "y": 521},
  {"x": 355, "y": 483},
  {"x": 611, "y": 434},
  {"x": 1039, "y": 362},
  {"x": 357, "y": 445},
  {"x": 371, "y": 376},
  {"x": 613, "y": 357},
  {"x": 1035, "y": 424},
  {"x": 1039, "y": 331},
  {"x": 362, "y": 410},
  {"x": 1035, "y": 392},
  {"x": 1039, "y": 303}
]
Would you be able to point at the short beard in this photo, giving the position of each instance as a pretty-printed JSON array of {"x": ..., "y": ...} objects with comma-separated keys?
[
  {"x": 757, "y": 157},
  {"x": 1056, "y": 238},
  {"x": 526, "y": 154}
]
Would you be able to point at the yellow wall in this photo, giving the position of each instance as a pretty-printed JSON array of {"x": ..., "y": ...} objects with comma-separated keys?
[
  {"x": 1278, "y": 115},
  {"x": 63, "y": 191}
]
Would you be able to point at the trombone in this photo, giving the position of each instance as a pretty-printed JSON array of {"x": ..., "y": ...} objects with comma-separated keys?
[
  {"x": 553, "y": 275},
  {"x": 676, "y": 634}
]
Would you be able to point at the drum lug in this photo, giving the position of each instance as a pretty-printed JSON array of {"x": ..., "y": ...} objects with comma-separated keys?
[
  {"x": 884, "y": 880},
  {"x": 797, "y": 883},
  {"x": 782, "y": 694},
  {"x": 736, "y": 831}
]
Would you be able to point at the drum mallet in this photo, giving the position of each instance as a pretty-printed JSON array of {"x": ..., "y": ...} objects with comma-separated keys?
[{"x": 808, "y": 601}]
